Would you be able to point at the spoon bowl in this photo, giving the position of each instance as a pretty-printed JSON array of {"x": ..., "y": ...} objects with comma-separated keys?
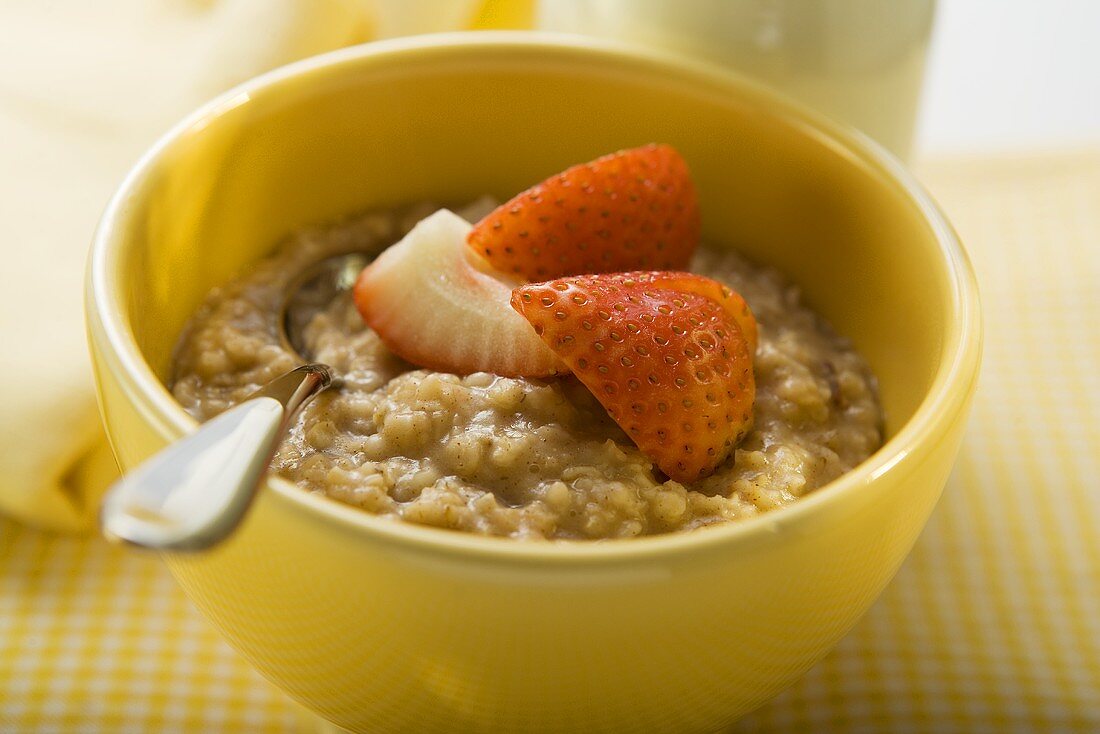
[{"x": 312, "y": 290}]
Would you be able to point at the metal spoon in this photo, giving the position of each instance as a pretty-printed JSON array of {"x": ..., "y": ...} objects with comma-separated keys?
[{"x": 195, "y": 492}]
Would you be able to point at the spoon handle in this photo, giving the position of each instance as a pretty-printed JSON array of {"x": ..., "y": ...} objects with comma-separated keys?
[{"x": 195, "y": 492}]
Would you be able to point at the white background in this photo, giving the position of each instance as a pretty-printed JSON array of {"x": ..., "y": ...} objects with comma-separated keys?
[{"x": 1011, "y": 74}]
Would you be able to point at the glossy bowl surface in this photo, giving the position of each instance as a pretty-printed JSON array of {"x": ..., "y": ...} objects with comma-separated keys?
[{"x": 382, "y": 626}]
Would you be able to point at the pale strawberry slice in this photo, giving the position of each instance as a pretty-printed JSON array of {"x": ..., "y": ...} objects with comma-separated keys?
[
  {"x": 632, "y": 210},
  {"x": 433, "y": 304},
  {"x": 672, "y": 367}
]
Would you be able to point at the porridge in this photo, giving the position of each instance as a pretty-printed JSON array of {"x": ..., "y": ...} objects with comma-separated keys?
[
  {"x": 514, "y": 456},
  {"x": 523, "y": 457}
]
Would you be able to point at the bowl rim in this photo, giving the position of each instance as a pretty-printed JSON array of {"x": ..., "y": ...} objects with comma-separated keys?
[{"x": 944, "y": 399}]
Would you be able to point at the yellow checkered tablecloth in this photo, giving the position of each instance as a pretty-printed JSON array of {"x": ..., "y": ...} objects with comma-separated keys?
[{"x": 993, "y": 624}]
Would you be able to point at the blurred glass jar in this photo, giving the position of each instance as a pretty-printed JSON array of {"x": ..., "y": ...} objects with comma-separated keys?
[{"x": 861, "y": 61}]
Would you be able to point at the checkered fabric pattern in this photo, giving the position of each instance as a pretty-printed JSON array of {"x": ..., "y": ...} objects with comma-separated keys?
[
  {"x": 992, "y": 625},
  {"x": 97, "y": 638}
]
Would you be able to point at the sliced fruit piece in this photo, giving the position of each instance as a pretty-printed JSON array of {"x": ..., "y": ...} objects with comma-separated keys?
[
  {"x": 672, "y": 367},
  {"x": 432, "y": 306},
  {"x": 732, "y": 301},
  {"x": 632, "y": 210}
]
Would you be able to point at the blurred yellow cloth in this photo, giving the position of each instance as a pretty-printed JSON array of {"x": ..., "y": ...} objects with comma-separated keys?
[
  {"x": 85, "y": 87},
  {"x": 993, "y": 624}
]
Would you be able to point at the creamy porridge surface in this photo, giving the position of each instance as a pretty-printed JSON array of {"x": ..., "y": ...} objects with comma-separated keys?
[{"x": 524, "y": 458}]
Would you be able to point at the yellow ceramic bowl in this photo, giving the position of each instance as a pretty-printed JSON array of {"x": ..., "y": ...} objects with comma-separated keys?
[{"x": 381, "y": 626}]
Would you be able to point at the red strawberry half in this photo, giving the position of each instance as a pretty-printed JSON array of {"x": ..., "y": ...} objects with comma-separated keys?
[
  {"x": 736, "y": 306},
  {"x": 671, "y": 366},
  {"x": 632, "y": 210}
]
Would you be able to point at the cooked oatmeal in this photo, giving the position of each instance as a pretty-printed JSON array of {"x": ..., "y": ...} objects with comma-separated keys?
[{"x": 518, "y": 457}]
